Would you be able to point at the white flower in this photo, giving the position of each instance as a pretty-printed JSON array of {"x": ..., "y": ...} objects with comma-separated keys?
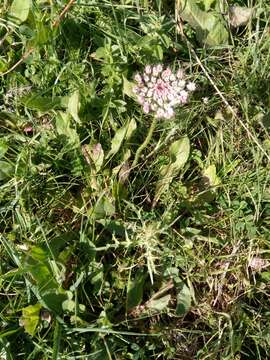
[
  {"x": 160, "y": 113},
  {"x": 138, "y": 78},
  {"x": 205, "y": 100},
  {"x": 181, "y": 84},
  {"x": 146, "y": 107},
  {"x": 180, "y": 74},
  {"x": 191, "y": 86},
  {"x": 146, "y": 78},
  {"x": 183, "y": 96},
  {"x": 148, "y": 69},
  {"x": 160, "y": 91}
]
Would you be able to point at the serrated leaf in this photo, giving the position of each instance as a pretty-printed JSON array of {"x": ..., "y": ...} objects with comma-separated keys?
[
  {"x": 124, "y": 133},
  {"x": 183, "y": 298},
  {"x": 159, "y": 304},
  {"x": 19, "y": 10},
  {"x": 30, "y": 318},
  {"x": 209, "y": 26}
]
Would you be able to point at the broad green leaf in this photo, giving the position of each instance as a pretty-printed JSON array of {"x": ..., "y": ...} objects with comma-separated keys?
[
  {"x": 19, "y": 10},
  {"x": 3, "y": 147},
  {"x": 104, "y": 208},
  {"x": 74, "y": 106},
  {"x": 6, "y": 170},
  {"x": 135, "y": 291},
  {"x": 30, "y": 318},
  {"x": 53, "y": 299},
  {"x": 63, "y": 127},
  {"x": 42, "y": 103},
  {"x": 210, "y": 176},
  {"x": 209, "y": 26},
  {"x": 128, "y": 88},
  {"x": 183, "y": 298},
  {"x": 124, "y": 133},
  {"x": 159, "y": 304},
  {"x": 179, "y": 153}
]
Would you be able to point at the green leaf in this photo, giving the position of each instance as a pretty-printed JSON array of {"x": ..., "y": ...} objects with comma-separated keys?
[
  {"x": 103, "y": 208},
  {"x": 135, "y": 291},
  {"x": 19, "y": 10},
  {"x": 159, "y": 304},
  {"x": 42, "y": 103},
  {"x": 63, "y": 127},
  {"x": 30, "y": 318},
  {"x": 128, "y": 88},
  {"x": 6, "y": 170},
  {"x": 179, "y": 153},
  {"x": 3, "y": 147},
  {"x": 209, "y": 26},
  {"x": 183, "y": 298},
  {"x": 124, "y": 133},
  {"x": 74, "y": 106},
  {"x": 210, "y": 176}
]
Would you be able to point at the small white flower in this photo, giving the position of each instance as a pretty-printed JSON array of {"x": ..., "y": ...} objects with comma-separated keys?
[
  {"x": 146, "y": 107},
  {"x": 169, "y": 113},
  {"x": 191, "y": 86},
  {"x": 180, "y": 74},
  {"x": 181, "y": 84},
  {"x": 150, "y": 93},
  {"x": 205, "y": 100},
  {"x": 140, "y": 99},
  {"x": 148, "y": 69},
  {"x": 160, "y": 113},
  {"x": 138, "y": 78},
  {"x": 146, "y": 78},
  {"x": 160, "y": 102},
  {"x": 183, "y": 96}
]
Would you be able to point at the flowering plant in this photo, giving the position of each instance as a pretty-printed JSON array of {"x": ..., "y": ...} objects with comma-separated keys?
[{"x": 159, "y": 90}]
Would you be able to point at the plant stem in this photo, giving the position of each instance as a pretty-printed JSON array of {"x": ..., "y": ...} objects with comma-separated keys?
[{"x": 145, "y": 143}]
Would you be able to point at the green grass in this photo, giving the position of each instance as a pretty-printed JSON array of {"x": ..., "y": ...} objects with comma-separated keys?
[{"x": 105, "y": 254}]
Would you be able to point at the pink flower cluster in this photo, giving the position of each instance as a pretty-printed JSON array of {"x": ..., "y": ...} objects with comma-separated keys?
[{"x": 159, "y": 90}]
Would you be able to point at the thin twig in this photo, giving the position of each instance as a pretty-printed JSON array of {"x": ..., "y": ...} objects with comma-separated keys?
[
  {"x": 25, "y": 56},
  {"x": 62, "y": 14}
]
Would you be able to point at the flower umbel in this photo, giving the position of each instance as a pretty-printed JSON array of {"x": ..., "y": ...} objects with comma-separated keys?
[{"x": 159, "y": 90}]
